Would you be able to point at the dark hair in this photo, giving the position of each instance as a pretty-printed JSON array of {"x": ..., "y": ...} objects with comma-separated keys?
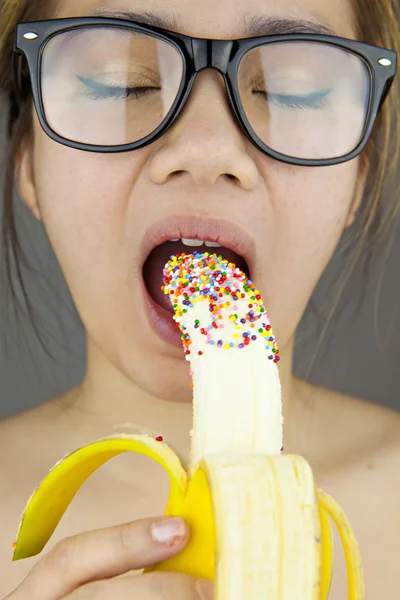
[{"x": 377, "y": 22}]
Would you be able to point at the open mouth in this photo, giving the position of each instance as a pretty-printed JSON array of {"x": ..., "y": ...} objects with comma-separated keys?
[
  {"x": 186, "y": 234},
  {"x": 160, "y": 255}
]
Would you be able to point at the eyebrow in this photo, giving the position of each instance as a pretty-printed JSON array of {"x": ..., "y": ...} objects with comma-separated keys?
[
  {"x": 252, "y": 27},
  {"x": 159, "y": 19},
  {"x": 261, "y": 25}
]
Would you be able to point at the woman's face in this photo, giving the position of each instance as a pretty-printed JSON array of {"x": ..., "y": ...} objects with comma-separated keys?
[{"x": 100, "y": 210}]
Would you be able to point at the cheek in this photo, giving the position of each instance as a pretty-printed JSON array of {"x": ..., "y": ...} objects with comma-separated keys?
[
  {"x": 311, "y": 209},
  {"x": 303, "y": 223},
  {"x": 83, "y": 199}
]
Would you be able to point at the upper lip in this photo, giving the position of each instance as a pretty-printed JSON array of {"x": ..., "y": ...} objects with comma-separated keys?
[{"x": 223, "y": 231}]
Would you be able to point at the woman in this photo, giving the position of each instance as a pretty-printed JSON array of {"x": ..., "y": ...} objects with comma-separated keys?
[{"x": 281, "y": 193}]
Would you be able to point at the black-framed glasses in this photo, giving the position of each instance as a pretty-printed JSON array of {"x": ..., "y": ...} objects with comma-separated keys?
[{"x": 112, "y": 85}]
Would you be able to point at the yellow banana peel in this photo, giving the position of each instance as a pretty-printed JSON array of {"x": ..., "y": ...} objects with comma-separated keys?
[{"x": 190, "y": 499}]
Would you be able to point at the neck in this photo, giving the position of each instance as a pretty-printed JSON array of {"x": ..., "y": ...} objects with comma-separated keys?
[{"x": 107, "y": 402}]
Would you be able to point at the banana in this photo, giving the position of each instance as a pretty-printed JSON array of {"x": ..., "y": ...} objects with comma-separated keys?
[{"x": 259, "y": 526}]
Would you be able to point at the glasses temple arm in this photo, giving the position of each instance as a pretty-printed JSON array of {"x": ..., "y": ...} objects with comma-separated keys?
[{"x": 385, "y": 92}]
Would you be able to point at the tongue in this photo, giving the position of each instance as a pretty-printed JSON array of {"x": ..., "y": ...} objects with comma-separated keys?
[{"x": 158, "y": 258}]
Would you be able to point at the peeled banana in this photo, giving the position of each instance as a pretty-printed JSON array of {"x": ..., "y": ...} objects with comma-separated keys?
[{"x": 258, "y": 525}]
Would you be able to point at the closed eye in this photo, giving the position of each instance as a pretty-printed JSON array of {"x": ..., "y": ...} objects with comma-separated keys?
[
  {"x": 99, "y": 91},
  {"x": 314, "y": 101}
]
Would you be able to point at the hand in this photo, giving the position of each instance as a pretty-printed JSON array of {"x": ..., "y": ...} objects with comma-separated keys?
[{"x": 88, "y": 566}]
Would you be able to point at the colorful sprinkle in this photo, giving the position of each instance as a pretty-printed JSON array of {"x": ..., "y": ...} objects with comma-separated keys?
[
  {"x": 191, "y": 278},
  {"x": 159, "y": 438}
]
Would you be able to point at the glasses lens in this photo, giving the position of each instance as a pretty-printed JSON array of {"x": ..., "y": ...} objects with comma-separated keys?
[
  {"x": 108, "y": 86},
  {"x": 305, "y": 99}
]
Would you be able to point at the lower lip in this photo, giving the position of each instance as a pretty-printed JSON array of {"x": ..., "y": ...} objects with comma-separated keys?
[{"x": 162, "y": 321}]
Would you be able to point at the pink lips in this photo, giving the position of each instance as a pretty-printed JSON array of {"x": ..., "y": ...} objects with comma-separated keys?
[{"x": 180, "y": 226}]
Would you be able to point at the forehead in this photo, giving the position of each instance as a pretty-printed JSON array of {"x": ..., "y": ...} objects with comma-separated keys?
[{"x": 230, "y": 18}]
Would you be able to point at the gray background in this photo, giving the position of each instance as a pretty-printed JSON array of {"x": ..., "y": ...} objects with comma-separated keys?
[{"x": 360, "y": 355}]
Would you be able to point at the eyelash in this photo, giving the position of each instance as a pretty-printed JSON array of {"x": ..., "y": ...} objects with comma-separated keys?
[
  {"x": 314, "y": 101},
  {"x": 100, "y": 91},
  {"x": 119, "y": 93}
]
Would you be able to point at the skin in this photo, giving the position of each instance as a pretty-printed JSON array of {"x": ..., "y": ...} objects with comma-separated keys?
[{"x": 96, "y": 209}]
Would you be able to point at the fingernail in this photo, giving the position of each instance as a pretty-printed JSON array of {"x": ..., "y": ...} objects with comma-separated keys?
[
  {"x": 168, "y": 531},
  {"x": 205, "y": 589}
]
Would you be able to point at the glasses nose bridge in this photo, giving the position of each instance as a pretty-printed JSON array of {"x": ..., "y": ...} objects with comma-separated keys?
[{"x": 211, "y": 54}]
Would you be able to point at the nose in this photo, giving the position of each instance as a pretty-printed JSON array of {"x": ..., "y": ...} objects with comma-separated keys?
[{"x": 206, "y": 142}]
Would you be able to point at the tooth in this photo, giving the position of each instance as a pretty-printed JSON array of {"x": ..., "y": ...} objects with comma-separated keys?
[
  {"x": 188, "y": 242},
  {"x": 213, "y": 244}
]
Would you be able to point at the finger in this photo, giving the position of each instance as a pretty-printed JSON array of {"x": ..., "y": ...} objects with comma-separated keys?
[
  {"x": 151, "y": 586},
  {"x": 102, "y": 554}
]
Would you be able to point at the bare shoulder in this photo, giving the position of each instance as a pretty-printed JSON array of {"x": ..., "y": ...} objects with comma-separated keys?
[
  {"x": 31, "y": 443},
  {"x": 19, "y": 431},
  {"x": 366, "y": 483},
  {"x": 371, "y": 496},
  {"x": 28, "y": 449},
  {"x": 362, "y": 427},
  {"x": 25, "y": 439}
]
